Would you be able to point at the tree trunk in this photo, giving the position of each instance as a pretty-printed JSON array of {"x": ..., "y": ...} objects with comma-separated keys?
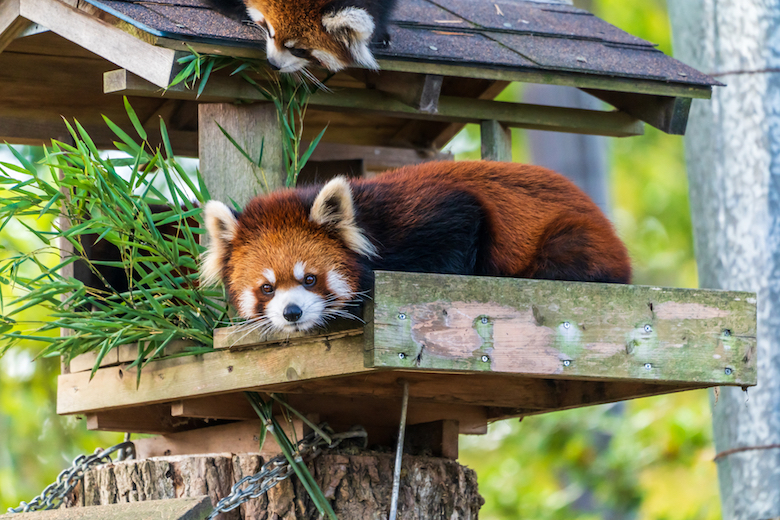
[
  {"x": 733, "y": 156},
  {"x": 358, "y": 483}
]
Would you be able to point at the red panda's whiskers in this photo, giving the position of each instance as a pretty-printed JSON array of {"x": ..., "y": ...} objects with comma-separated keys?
[{"x": 320, "y": 85}]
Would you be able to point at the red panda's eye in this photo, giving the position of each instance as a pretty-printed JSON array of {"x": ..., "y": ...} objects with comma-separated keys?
[
  {"x": 267, "y": 288},
  {"x": 309, "y": 280},
  {"x": 300, "y": 53}
]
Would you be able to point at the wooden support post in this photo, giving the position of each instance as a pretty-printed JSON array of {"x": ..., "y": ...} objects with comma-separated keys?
[
  {"x": 228, "y": 174},
  {"x": 496, "y": 141},
  {"x": 437, "y": 439}
]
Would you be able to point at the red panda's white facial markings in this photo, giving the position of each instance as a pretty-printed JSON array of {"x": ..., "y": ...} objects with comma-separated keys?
[
  {"x": 299, "y": 35},
  {"x": 287, "y": 267},
  {"x": 339, "y": 286}
]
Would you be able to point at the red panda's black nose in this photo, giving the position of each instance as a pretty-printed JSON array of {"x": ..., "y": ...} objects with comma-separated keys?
[{"x": 292, "y": 313}]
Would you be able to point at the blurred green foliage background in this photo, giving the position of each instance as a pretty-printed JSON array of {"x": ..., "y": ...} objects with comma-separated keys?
[{"x": 644, "y": 459}]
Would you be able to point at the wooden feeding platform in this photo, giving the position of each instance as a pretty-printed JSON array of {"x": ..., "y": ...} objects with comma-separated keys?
[{"x": 473, "y": 349}]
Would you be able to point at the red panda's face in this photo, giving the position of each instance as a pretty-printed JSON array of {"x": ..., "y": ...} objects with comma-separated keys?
[
  {"x": 289, "y": 278},
  {"x": 285, "y": 269},
  {"x": 304, "y": 33}
]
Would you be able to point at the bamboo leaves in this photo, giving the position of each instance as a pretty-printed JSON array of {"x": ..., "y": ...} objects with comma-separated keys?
[{"x": 145, "y": 291}]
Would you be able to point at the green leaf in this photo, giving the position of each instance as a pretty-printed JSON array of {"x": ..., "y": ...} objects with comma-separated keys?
[{"x": 134, "y": 119}]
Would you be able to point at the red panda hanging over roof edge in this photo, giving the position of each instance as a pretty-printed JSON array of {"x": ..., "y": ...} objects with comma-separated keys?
[{"x": 331, "y": 33}]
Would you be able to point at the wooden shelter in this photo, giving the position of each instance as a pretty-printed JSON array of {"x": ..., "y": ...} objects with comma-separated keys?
[{"x": 474, "y": 350}]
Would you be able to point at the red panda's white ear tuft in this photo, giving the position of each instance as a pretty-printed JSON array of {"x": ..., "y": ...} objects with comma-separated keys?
[
  {"x": 334, "y": 208},
  {"x": 221, "y": 224},
  {"x": 353, "y": 26}
]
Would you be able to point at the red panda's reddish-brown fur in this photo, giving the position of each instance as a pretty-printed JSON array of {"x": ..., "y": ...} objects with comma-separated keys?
[
  {"x": 484, "y": 218},
  {"x": 331, "y": 33}
]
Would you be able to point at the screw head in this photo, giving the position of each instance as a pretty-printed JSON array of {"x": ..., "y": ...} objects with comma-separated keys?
[
  {"x": 484, "y": 319},
  {"x": 485, "y": 359},
  {"x": 728, "y": 371},
  {"x": 648, "y": 328},
  {"x": 566, "y": 362},
  {"x": 566, "y": 324},
  {"x": 648, "y": 366},
  {"x": 401, "y": 355},
  {"x": 727, "y": 332},
  {"x": 401, "y": 316}
]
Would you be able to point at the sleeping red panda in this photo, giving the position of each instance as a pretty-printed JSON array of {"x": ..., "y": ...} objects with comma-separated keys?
[
  {"x": 293, "y": 259},
  {"x": 331, "y": 33}
]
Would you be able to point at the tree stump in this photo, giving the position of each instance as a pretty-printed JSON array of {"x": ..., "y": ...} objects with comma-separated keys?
[{"x": 358, "y": 483}]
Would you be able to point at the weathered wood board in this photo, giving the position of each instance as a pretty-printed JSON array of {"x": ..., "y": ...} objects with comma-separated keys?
[
  {"x": 473, "y": 350},
  {"x": 188, "y": 508},
  {"x": 562, "y": 329}
]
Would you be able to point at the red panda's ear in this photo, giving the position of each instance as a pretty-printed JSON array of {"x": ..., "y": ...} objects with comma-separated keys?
[
  {"x": 335, "y": 209},
  {"x": 353, "y": 27},
  {"x": 221, "y": 224}
]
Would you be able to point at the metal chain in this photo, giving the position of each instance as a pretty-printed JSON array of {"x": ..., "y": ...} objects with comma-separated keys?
[
  {"x": 278, "y": 469},
  {"x": 56, "y": 492}
]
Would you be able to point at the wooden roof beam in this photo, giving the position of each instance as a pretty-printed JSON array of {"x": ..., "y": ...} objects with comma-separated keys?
[
  {"x": 12, "y": 24},
  {"x": 450, "y": 110},
  {"x": 155, "y": 64},
  {"x": 666, "y": 113}
]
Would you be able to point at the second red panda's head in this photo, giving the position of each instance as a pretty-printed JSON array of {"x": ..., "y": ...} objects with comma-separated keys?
[
  {"x": 287, "y": 267},
  {"x": 306, "y": 32}
]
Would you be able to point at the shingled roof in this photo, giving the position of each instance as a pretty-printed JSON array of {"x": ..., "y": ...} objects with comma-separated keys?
[
  {"x": 452, "y": 51},
  {"x": 513, "y": 35}
]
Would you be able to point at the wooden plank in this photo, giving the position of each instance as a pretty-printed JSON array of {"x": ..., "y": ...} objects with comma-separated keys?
[
  {"x": 171, "y": 509},
  {"x": 40, "y": 131},
  {"x": 157, "y": 65},
  {"x": 437, "y": 439},
  {"x": 146, "y": 419},
  {"x": 570, "y": 79},
  {"x": 11, "y": 23},
  {"x": 231, "y": 406},
  {"x": 379, "y": 415},
  {"x": 563, "y": 329},
  {"x": 375, "y": 158},
  {"x": 364, "y": 101},
  {"x": 121, "y": 354},
  {"x": 496, "y": 141},
  {"x": 86, "y": 361},
  {"x": 240, "y": 437},
  {"x": 227, "y": 173},
  {"x": 229, "y": 370},
  {"x": 669, "y": 114},
  {"x": 506, "y": 395}
]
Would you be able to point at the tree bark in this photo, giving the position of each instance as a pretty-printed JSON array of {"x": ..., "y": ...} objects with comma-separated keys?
[
  {"x": 733, "y": 156},
  {"x": 358, "y": 483}
]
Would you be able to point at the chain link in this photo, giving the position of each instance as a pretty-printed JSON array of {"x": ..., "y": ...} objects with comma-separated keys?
[
  {"x": 278, "y": 469},
  {"x": 56, "y": 492},
  {"x": 253, "y": 486}
]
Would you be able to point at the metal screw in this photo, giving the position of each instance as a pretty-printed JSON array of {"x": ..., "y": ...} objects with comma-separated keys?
[
  {"x": 648, "y": 366},
  {"x": 485, "y": 359},
  {"x": 484, "y": 319},
  {"x": 648, "y": 328},
  {"x": 566, "y": 362},
  {"x": 401, "y": 316},
  {"x": 728, "y": 371},
  {"x": 566, "y": 324},
  {"x": 727, "y": 332},
  {"x": 401, "y": 355}
]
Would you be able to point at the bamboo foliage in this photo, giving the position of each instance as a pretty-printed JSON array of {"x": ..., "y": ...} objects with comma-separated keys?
[
  {"x": 118, "y": 201},
  {"x": 290, "y": 95}
]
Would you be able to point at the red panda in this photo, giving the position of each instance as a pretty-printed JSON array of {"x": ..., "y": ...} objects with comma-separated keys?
[
  {"x": 331, "y": 33},
  {"x": 293, "y": 259}
]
